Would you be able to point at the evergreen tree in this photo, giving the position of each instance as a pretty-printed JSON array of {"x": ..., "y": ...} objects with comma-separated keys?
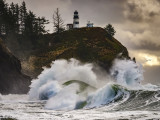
[
  {"x": 40, "y": 25},
  {"x": 17, "y": 19},
  {"x": 23, "y": 14},
  {"x": 29, "y": 23},
  {"x": 12, "y": 18},
  {"x": 110, "y": 30},
  {"x": 28, "y": 31},
  {"x": 12, "y": 8},
  {"x": 3, "y": 17},
  {"x": 34, "y": 27}
]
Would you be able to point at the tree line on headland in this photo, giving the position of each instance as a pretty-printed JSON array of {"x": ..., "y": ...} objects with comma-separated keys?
[
  {"x": 22, "y": 30},
  {"x": 17, "y": 22}
]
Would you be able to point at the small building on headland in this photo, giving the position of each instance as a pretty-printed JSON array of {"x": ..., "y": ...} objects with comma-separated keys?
[
  {"x": 89, "y": 24},
  {"x": 69, "y": 26},
  {"x": 75, "y": 21}
]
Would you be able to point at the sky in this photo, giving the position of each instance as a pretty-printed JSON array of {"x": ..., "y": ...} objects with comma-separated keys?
[{"x": 137, "y": 24}]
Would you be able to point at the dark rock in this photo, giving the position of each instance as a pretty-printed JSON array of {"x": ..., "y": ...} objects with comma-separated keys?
[{"x": 11, "y": 78}]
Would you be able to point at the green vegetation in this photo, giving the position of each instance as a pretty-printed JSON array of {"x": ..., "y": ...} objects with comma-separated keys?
[
  {"x": 84, "y": 44},
  {"x": 19, "y": 26},
  {"x": 110, "y": 30}
]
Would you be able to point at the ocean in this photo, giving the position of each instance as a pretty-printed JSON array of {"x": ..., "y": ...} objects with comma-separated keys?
[{"x": 71, "y": 90}]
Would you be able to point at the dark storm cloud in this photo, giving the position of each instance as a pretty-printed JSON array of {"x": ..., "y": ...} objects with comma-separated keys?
[
  {"x": 158, "y": 1},
  {"x": 143, "y": 25},
  {"x": 136, "y": 11},
  {"x": 152, "y": 14},
  {"x": 146, "y": 45}
]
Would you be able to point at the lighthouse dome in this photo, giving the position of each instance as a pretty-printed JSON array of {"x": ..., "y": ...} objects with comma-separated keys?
[{"x": 76, "y": 12}]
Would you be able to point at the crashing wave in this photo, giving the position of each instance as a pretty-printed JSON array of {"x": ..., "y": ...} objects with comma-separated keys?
[{"x": 71, "y": 85}]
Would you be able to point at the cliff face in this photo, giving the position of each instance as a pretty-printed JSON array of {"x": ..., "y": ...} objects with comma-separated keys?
[
  {"x": 84, "y": 44},
  {"x": 11, "y": 78}
]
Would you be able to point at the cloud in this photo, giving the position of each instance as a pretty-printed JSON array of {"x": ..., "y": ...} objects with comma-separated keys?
[
  {"x": 140, "y": 30},
  {"x": 151, "y": 75},
  {"x": 135, "y": 21},
  {"x": 133, "y": 12},
  {"x": 150, "y": 60},
  {"x": 147, "y": 45},
  {"x": 101, "y": 12},
  {"x": 146, "y": 58},
  {"x": 142, "y": 11}
]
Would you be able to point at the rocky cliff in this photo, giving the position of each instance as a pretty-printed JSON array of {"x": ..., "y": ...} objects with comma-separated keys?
[{"x": 11, "y": 78}]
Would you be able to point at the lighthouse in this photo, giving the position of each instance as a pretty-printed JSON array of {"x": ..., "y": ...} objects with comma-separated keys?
[{"x": 76, "y": 20}]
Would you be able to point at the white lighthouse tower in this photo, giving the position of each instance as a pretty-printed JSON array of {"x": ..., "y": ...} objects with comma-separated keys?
[{"x": 76, "y": 20}]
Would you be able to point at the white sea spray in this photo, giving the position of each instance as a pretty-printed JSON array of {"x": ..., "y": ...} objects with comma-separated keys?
[{"x": 68, "y": 83}]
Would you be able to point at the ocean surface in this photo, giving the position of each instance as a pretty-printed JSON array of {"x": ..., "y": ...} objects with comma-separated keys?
[{"x": 70, "y": 90}]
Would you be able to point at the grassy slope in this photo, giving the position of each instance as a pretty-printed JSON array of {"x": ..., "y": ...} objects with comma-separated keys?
[{"x": 84, "y": 44}]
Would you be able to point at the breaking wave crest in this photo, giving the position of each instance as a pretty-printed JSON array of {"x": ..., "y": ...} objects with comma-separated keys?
[{"x": 71, "y": 85}]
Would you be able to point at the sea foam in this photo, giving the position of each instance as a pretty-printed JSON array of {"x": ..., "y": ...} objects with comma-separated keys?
[{"x": 68, "y": 83}]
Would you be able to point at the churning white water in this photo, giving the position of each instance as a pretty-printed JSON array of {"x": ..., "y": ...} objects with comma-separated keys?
[
  {"x": 71, "y": 85},
  {"x": 127, "y": 73}
]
